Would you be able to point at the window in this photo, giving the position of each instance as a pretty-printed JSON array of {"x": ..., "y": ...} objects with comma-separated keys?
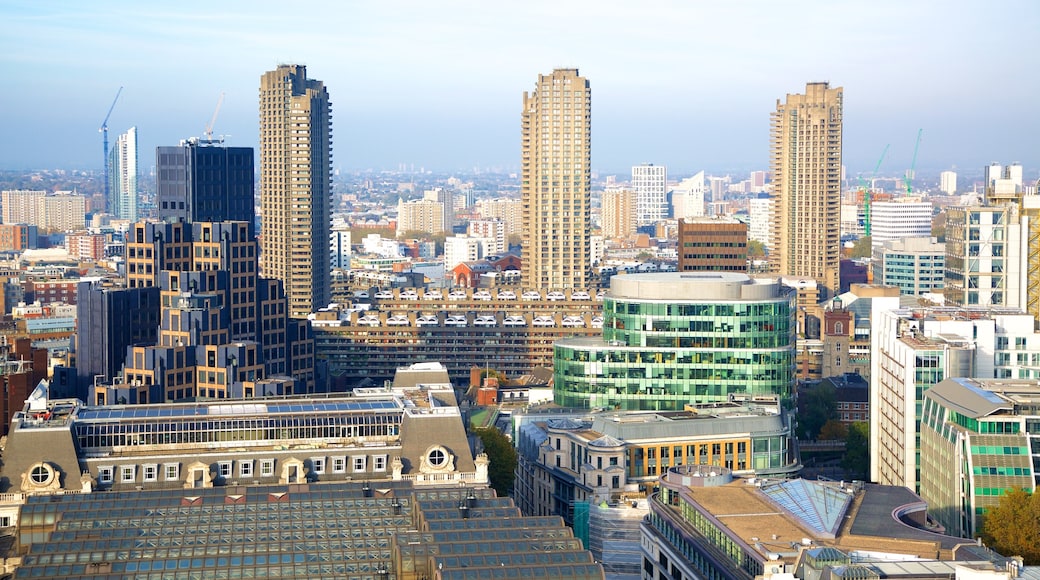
[
  {"x": 224, "y": 468},
  {"x": 171, "y": 470},
  {"x": 266, "y": 467},
  {"x": 379, "y": 463},
  {"x": 105, "y": 474},
  {"x": 41, "y": 474},
  {"x": 245, "y": 469},
  {"x": 151, "y": 472},
  {"x": 127, "y": 473},
  {"x": 359, "y": 463},
  {"x": 318, "y": 464},
  {"x": 339, "y": 464}
]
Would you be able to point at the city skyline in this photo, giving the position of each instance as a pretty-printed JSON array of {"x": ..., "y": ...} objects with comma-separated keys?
[{"x": 436, "y": 86}]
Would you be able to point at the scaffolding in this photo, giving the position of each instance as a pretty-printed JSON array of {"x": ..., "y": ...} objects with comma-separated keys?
[{"x": 614, "y": 537}]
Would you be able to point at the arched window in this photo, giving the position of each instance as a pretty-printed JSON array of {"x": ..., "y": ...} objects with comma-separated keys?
[{"x": 839, "y": 328}]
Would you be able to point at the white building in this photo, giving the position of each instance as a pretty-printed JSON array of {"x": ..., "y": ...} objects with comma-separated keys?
[
  {"x": 59, "y": 211},
  {"x": 650, "y": 182},
  {"x": 339, "y": 246},
  {"x": 948, "y": 182},
  {"x": 760, "y": 218},
  {"x": 122, "y": 176},
  {"x": 913, "y": 349},
  {"x": 380, "y": 246},
  {"x": 459, "y": 249},
  {"x": 688, "y": 197},
  {"x": 1003, "y": 182},
  {"x": 900, "y": 218},
  {"x": 494, "y": 230}
]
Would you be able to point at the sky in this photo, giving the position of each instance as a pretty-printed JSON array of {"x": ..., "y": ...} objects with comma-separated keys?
[{"x": 437, "y": 84}]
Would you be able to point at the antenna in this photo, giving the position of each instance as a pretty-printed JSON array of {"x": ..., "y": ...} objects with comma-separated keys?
[
  {"x": 208, "y": 132},
  {"x": 104, "y": 131}
]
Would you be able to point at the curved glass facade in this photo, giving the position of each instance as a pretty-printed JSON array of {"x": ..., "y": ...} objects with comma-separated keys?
[{"x": 662, "y": 354}]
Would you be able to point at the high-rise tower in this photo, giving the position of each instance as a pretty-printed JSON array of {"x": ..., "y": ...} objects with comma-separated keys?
[
  {"x": 556, "y": 181},
  {"x": 203, "y": 181},
  {"x": 296, "y": 185},
  {"x": 650, "y": 182},
  {"x": 122, "y": 175},
  {"x": 806, "y": 167}
]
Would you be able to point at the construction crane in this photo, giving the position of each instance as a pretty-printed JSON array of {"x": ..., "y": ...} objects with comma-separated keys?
[
  {"x": 867, "y": 192},
  {"x": 909, "y": 178},
  {"x": 104, "y": 132},
  {"x": 208, "y": 133}
]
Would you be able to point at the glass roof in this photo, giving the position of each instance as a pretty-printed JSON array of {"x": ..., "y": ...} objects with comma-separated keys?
[{"x": 818, "y": 506}]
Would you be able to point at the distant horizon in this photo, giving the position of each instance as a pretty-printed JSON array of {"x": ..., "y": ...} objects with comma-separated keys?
[{"x": 440, "y": 85}]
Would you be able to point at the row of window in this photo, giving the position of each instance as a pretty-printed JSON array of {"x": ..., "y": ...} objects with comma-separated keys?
[{"x": 246, "y": 468}]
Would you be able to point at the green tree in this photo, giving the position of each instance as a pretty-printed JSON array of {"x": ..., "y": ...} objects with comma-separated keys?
[
  {"x": 857, "y": 450},
  {"x": 502, "y": 455},
  {"x": 817, "y": 406},
  {"x": 756, "y": 249},
  {"x": 861, "y": 249},
  {"x": 1013, "y": 527}
]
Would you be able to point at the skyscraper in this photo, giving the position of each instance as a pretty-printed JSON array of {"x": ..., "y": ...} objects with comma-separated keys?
[
  {"x": 200, "y": 181},
  {"x": 650, "y": 182},
  {"x": 296, "y": 185},
  {"x": 122, "y": 175},
  {"x": 556, "y": 181},
  {"x": 618, "y": 215},
  {"x": 806, "y": 168}
]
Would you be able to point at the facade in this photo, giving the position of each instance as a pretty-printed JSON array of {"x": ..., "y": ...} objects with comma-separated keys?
[
  {"x": 459, "y": 249},
  {"x": 556, "y": 181},
  {"x": 900, "y": 218},
  {"x": 986, "y": 256},
  {"x": 340, "y": 247},
  {"x": 1003, "y": 183},
  {"x": 222, "y": 327},
  {"x": 420, "y": 215},
  {"x": 510, "y": 211},
  {"x": 22, "y": 367},
  {"x": 618, "y": 213},
  {"x": 716, "y": 244},
  {"x": 706, "y": 524},
  {"x": 571, "y": 456},
  {"x": 760, "y": 220},
  {"x": 61, "y": 211},
  {"x": 85, "y": 246},
  {"x": 688, "y": 197},
  {"x": 978, "y": 441},
  {"x": 806, "y": 167},
  {"x": 111, "y": 319},
  {"x": 917, "y": 265},
  {"x": 493, "y": 231},
  {"x": 18, "y": 237},
  {"x": 122, "y": 176},
  {"x": 912, "y": 350},
  {"x": 509, "y": 329},
  {"x": 447, "y": 201},
  {"x": 203, "y": 181},
  {"x": 650, "y": 184},
  {"x": 948, "y": 182},
  {"x": 296, "y": 186},
  {"x": 674, "y": 339}
]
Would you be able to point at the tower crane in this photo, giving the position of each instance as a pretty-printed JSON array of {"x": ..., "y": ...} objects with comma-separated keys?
[
  {"x": 866, "y": 193},
  {"x": 208, "y": 133},
  {"x": 104, "y": 132},
  {"x": 908, "y": 179}
]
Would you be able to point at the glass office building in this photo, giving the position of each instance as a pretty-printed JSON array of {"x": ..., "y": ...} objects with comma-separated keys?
[{"x": 671, "y": 339}]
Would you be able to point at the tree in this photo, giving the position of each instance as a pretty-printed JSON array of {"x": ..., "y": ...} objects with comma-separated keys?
[
  {"x": 817, "y": 406},
  {"x": 857, "y": 450},
  {"x": 833, "y": 430},
  {"x": 1013, "y": 527},
  {"x": 756, "y": 249},
  {"x": 861, "y": 249},
  {"x": 502, "y": 455}
]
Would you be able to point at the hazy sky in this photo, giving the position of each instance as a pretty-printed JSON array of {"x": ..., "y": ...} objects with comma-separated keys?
[{"x": 438, "y": 83}]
